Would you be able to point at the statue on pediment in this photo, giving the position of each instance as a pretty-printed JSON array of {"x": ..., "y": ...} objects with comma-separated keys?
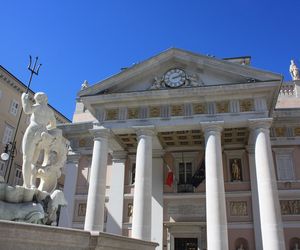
[
  {"x": 193, "y": 81},
  {"x": 294, "y": 71},
  {"x": 84, "y": 85},
  {"x": 158, "y": 83}
]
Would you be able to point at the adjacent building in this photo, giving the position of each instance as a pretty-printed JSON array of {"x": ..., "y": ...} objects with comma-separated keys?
[
  {"x": 11, "y": 89},
  {"x": 142, "y": 140}
]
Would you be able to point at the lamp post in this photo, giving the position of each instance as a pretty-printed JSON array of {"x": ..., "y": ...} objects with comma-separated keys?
[{"x": 10, "y": 147}]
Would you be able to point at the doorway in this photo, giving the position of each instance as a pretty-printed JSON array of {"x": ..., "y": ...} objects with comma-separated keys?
[{"x": 186, "y": 243}]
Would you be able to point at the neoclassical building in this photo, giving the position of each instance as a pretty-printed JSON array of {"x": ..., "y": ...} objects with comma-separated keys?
[{"x": 189, "y": 151}]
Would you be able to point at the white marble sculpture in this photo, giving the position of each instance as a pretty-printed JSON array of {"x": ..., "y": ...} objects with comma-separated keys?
[
  {"x": 42, "y": 120},
  {"x": 294, "y": 71},
  {"x": 44, "y": 154}
]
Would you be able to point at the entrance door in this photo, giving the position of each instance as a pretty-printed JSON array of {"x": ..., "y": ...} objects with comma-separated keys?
[{"x": 186, "y": 243}]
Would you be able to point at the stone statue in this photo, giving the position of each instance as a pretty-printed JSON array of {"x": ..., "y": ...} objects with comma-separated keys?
[
  {"x": 84, "y": 85},
  {"x": 44, "y": 154},
  {"x": 193, "y": 81},
  {"x": 294, "y": 71},
  {"x": 296, "y": 247},
  {"x": 241, "y": 247},
  {"x": 42, "y": 120},
  {"x": 158, "y": 83},
  {"x": 235, "y": 171}
]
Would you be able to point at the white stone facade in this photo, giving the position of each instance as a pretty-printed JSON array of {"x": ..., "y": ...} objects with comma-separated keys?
[{"x": 169, "y": 114}]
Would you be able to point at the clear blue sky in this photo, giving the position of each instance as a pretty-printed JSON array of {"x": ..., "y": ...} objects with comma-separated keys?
[{"x": 78, "y": 40}]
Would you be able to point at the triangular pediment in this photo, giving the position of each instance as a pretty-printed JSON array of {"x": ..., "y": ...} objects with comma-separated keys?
[{"x": 176, "y": 68}]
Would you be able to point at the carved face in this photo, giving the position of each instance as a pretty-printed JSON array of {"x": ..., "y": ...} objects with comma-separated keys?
[{"x": 40, "y": 97}]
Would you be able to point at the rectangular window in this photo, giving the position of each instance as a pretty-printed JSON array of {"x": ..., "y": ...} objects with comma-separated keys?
[
  {"x": 133, "y": 173},
  {"x": 18, "y": 177},
  {"x": 14, "y": 107},
  {"x": 8, "y": 134},
  {"x": 185, "y": 173},
  {"x": 285, "y": 164},
  {"x": 2, "y": 168}
]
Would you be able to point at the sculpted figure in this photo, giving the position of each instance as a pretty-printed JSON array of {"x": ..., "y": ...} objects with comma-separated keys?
[
  {"x": 158, "y": 83},
  {"x": 241, "y": 247},
  {"x": 235, "y": 171},
  {"x": 27, "y": 212},
  {"x": 296, "y": 247},
  {"x": 41, "y": 121},
  {"x": 294, "y": 71}
]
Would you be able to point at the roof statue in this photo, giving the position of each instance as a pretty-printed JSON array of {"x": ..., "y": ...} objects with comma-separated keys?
[{"x": 294, "y": 71}]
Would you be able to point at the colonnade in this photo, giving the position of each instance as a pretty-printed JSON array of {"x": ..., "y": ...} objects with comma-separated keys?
[{"x": 265, "y": 199}]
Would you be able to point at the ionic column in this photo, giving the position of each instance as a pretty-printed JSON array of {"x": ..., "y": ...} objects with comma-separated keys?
[
  {"x": 269, "y": 208},
  {"x": 71, "y": 172},
  {"x": 141, "y": 217},
  {"x": 94, "y": 219},
  {"x": 116, "y": 194},
  {"x": 157, "y": 198},
  {"x": 216, "y": 220},
  {"x": 254, "y": 196}
]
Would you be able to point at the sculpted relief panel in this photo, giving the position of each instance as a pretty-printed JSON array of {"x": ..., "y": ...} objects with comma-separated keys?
[
  {"x": 238, "y": 208},
  {"x": 290, "y": 207}
]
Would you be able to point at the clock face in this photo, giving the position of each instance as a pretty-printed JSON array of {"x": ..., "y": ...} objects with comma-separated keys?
[{"x": 175, "y": 78}]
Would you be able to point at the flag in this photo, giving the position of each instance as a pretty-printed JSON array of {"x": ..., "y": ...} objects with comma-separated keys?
[
  {"x": 199, "y": 175},
  {"x": 170, "y": 178}
]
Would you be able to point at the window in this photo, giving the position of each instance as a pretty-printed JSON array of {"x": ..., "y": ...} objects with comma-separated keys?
[
  {"x": 2, "y": 168},
  {"x": 18, "y": 177},
  {"x": 185, "y": 173},
  {"x": 284, "y": 163},
  {"x": 133, "y": 173},
  {"x": 14, "y": 107},
  {"x": 8, "y": 134}
]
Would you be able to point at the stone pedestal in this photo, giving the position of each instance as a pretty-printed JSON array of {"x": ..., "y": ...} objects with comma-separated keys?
[
  {"x": 141, "y": 219},
  {"x": 94, "y": 219},
  {"x": 217, "y": 235}
]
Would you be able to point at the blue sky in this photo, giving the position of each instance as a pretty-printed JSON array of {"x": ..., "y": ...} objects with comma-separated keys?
[{"x": 91, "y": 40}]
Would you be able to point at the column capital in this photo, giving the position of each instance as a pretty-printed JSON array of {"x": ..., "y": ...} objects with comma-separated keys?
[
  {"x": 73, "y": 157},
  {"x": 100, "y": 133},
  {"x": 251, "y": 149},
  {"x": 145, "y": 130},
  {"x": 213, "y": 126},
  {"x": 158, "y": 153},
  {"x": 261, "y": 123},
  {"x": 119, "y": 156}
]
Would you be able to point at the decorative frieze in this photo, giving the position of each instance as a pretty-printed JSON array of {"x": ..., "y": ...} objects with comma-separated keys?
[
  {"x": 112, "y": 114},
  {"x": 198, "y": 108},
  {"x": 154, "y": 111},
  {"x": 290, "y": 207},
  {"x": 246, "y": 105},
  {"x": 222, "y": 107},
  {"x": 177, "y": 110},
  {"x": 238, "y": 208},
  {"x": 133, "y": 113}
]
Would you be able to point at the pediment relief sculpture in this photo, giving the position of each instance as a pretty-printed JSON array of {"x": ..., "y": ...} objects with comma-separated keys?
[{"x": 175, "y": 78}]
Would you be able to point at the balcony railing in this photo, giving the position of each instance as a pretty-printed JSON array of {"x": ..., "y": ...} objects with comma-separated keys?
[
  {"x": 287, "y": 89},
  {"x": 185, "y": 188}
]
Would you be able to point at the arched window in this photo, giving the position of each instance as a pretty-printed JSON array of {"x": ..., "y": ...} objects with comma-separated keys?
[
  {"x": 241, "y": 244},
  {"x": 294, "y": 244}
]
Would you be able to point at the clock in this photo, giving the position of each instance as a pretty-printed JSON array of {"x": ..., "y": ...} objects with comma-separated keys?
[{"x": 175, "y": 78}]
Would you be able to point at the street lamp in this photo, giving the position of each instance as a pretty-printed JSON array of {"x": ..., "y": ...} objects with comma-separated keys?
[{"x": 10, "y": 147}]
